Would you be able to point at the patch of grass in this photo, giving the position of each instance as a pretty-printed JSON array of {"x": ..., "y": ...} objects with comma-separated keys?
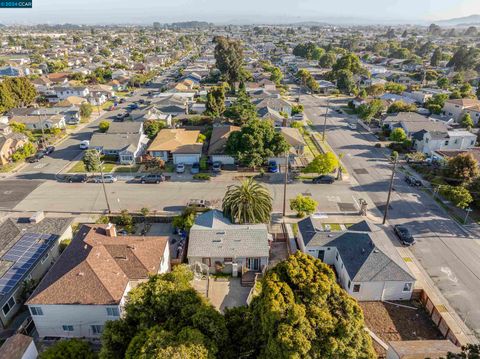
[
  {"x": 79, "y": 167},
  {"x": 334, "y": 227},
  {"x": 106, "y": 105},
  {"x": 9, "y": 167},
  {"x": 127, "y": 169},
  {"x": 311, "y": 146},
  {"x": 169, "y": 167},
  {"x": 202, "y": 177},
  {"x": 407, "y": 259},
  {"x": 295, "y": 229},
  {"x": 348, "y": 225}
]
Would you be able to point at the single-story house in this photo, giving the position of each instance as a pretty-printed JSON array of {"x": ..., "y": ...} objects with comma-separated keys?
[
  {"x": 126, "y": 146},
  {"x": 177, "y": 145},
  {"x": 89, "y": 283},
  {"x": 28, "y": 247},
  {"x": 230, "y": 248},
  {"x": 39, "y": 122},
  {"x": 412, "y": 349},
  {"x": 19, "y": 346},
  {"x": 277, "y": 104},
  {"x": 218, "y": 142},
  {"x": 152, "y": 113},
  {"x": 65, "y": 92},
  {"x": 267, "y": 113},
  {"x": 456, "y": 108},
  {"x": 365, "y": 267}
]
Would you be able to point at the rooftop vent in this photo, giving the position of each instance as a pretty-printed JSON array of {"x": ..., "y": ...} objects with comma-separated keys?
[{"x": 80, "y": 274}]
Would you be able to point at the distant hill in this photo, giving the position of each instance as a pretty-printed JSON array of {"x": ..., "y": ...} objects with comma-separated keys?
[{"x": 460, "y": 21}]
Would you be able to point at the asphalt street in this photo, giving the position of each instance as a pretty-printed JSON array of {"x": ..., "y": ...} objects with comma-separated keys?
[{"x": 448, "y": 254}]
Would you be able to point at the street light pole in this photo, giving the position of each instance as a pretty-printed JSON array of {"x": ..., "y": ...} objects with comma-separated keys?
[
  {"x": 390, "y": 191},
  {"x": 325, "y": 120},
  {"x": 285, "y": 185},
  {"x": 104, "y": 189}
]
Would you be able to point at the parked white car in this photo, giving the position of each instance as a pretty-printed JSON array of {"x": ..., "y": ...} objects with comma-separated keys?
[{"x": 84, "y": 145}]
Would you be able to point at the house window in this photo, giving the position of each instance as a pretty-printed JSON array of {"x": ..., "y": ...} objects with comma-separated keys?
[
  {"x": 407, "y": 287},
  {"x": 8, "y": 305},
  {"x": 349, "y": 284},
  {"x": 228, "y": 259},
  {"x": 113, "y": 312},
  {"x": 472, "y": 142},
  {"x": 356, "y": 288},
  {"x": 97, "y": 329},
  {"x": 336, "y": 256},
  {"x": 446, "y": 143},
  {"x": 67, "y": 328},
  {"x": 44, "y": 258},
  {"x": 426, "y": 140},
  {"x": 456, "y": 141},
  {"x": 36, "y": 311}
]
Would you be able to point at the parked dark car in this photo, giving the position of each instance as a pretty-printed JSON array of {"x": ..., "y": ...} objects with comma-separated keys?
[
  {"x": 195, "y": 168},
  {"x": 153, "y": 178},
  {"x": 404, "y": 235},
  {"x": 273, "y": 167},
  {"x": 37, "y": 157},
  {"x": 74, "y": 178},
  {"x": 324, "y": 179},
  {"x": 132, "y": 106},
  {"x": 412, "y": 181},
  {"x": 49, "y": 149}
]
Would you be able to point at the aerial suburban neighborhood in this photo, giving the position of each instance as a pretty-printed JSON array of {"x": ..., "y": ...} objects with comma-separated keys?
[{"x": 194, "y": 181}]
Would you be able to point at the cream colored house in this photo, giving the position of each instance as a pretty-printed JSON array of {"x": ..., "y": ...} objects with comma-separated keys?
[
  {"x": 176, "y": 145},
  {"x": 88, "y": 285}
]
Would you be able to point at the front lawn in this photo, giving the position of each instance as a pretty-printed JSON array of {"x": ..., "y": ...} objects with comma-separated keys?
[
  {"x": 127, "y": 169},
  {"x": 79, "y": 167}
]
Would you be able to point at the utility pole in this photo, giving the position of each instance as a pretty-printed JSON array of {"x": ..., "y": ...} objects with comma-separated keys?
[
  {"x": 390, "y": 190},
  {"x": 285, "y": 185},
  {"x": 325, "y": 120},
  {"x": 104, "y": 189}
]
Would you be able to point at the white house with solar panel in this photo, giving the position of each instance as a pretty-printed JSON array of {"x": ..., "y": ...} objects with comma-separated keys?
[
  {"x": 365, "y": 262},
  {"x": 28, "y": 248}
]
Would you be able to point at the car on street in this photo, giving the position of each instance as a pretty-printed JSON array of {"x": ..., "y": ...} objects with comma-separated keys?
[
  {"x": 180, "y": 168},
  {"x": 412, "y": 181},
  {"x": 326, "y": 179},
  {"x": 107, "y": 178},
  {"x": 199, "y": 204},
  {"x": 49, "y": 149},
  {"x": 195, "y": 168},
  {"x": 404, "y": 235},
  {"x": 122, "y": 100},
  {"x": 273, "y": 167},
  {"x": 217, "y": 167},
  {"x": 36, "y": 157},
  {"x": 74, "y": 178},
  {"x": 84, "y": 145},
  {"x": 152, "y": 178},
  {"x": 120, "y": 116},
  {"x": 132, "y": 106}
]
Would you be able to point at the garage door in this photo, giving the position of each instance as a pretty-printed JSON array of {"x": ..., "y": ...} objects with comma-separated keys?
[
  {"x": 225, "y": 160},
  {"x": 186, "y": 159}
]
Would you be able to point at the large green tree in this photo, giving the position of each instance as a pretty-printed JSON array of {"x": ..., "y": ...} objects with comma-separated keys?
[
  {"x": 247, "y": 203},
  {"x": 229, "y": 59},
  {"x": 322, "y": 164},
  {"x": 216, "y": 101},
  {"x": 242, "y": 110},
  {"x": 327, "y": 60},
  {"x": 91, "y": 160},
  {"x": 20, "y": 90},
  {"x": 165, "y": 317},
  {"x": 463, "y": 167},
  {"x": 301, "y": 312},
  {"x": 255, "y": 143}
]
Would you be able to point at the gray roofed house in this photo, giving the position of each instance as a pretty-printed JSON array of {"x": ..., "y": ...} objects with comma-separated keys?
[
  {"x": 128, "y": 127},
  {"x": 367, "y": 265},
  {"x": 124, "y": 145},
  {"x": 231, "y": 248},
  {"x": 28, "y": 247}
]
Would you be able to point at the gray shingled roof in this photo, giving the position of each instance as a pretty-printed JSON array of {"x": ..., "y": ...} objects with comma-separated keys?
[
  {"x": 215, "y": 236},
  {"x": 359, "y": 250}
]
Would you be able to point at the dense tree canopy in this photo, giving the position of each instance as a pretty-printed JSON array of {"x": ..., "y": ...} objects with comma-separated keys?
[
  {"x": 465, "y": 58},
  {"x": 255, "y": 143},
  {"x": 165, "y": 316},
  {"x": 216, "y": 101},
  {"x": 301, "y": 312},
  {"x": 242, "y": 110},
  {"x": 69, "y": 349},
  {"x": 308, "y": 51},
  {"x": 463, "y": 167},
  {"x": 16, "y": 92},
  {"x": 322, "y": 164}
]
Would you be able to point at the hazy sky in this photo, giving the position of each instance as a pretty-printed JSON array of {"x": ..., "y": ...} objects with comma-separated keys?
[{"x": 225, "y": 11}]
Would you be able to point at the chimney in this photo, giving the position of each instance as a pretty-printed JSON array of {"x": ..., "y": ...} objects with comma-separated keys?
[
  {"x": 37, "y": 217},
  {"x": 110, "y": 230}
]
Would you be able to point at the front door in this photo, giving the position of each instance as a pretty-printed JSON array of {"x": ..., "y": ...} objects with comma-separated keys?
[{"x": 253, "y": 264}]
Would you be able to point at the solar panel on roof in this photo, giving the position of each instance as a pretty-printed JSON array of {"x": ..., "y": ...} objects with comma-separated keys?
[{"x": 24, "y": 254}]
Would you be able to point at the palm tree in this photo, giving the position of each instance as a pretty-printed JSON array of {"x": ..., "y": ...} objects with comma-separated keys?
[{"x": 248, "y": 202}]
